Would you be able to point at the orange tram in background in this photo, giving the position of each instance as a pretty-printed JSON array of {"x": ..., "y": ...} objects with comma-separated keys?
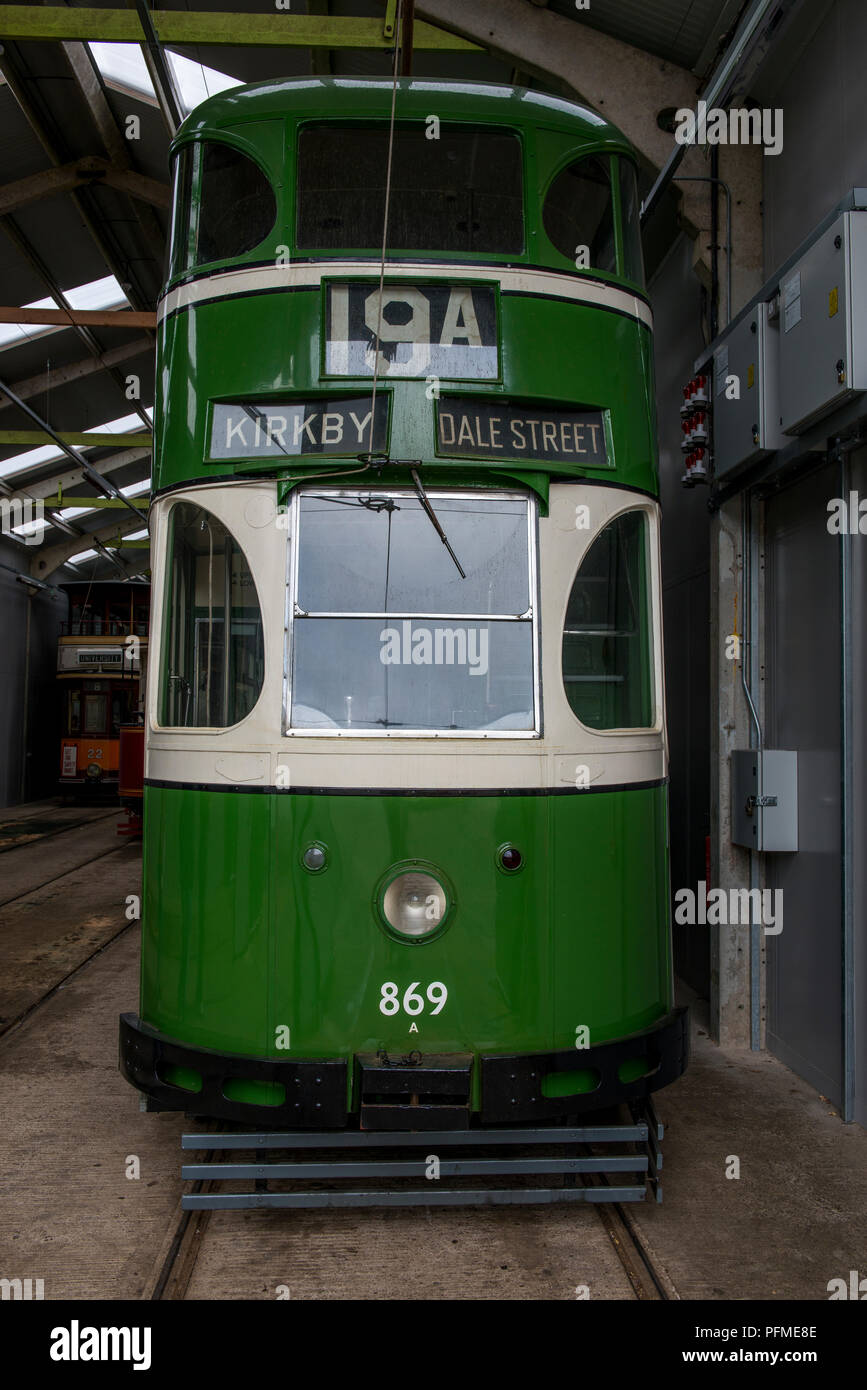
[{"x": 101, "y": 669}]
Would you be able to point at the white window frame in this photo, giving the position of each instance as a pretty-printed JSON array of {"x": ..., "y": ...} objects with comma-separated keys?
[{"x": 532, "y": 613}]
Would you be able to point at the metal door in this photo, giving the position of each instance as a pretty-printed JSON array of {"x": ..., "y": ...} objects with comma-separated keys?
[{"x": 803, "y": 712}]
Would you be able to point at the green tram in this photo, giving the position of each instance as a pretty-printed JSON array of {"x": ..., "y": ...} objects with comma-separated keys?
[{"x": 405, "y": 828}]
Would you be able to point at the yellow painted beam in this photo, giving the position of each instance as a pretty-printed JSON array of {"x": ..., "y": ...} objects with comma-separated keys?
[
  {"x": 282, "y": 30},
  {"x": 94, "y": 440}
]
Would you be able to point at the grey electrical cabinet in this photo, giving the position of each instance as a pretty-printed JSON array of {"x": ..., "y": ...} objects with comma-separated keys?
[
  {"x": 823, "y": 324},
  {"x": 746, "y": 392},
  {"x": 764, "y": 810}
]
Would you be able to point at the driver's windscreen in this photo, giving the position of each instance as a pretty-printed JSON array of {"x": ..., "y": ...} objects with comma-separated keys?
[{"x": 387, "y": 634}]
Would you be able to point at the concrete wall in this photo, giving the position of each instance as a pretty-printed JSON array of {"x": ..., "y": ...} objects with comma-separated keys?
[
  {"x": 823, "y": 96},
  {"x": 27, "y": 773},
  {"x": 677, "y": 300}
]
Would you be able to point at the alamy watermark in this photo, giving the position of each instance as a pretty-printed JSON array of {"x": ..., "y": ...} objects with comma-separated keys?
[
  {"x": 720, "y": 907},
  {"x": 77, "y": 1343},
  {"x": 740, "y": 126},
  {"x": 16, "y": 512},
  {"x": 22, "y": 1290},
  {"x": 410, "y": 645}
]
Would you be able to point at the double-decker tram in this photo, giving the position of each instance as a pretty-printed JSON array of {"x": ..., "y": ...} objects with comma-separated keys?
[
  {"x": 405, "y": 787},
  {"x": 101, "y": 663}
]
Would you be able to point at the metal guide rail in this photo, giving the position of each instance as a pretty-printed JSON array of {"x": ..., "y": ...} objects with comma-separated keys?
[{"x": 594, "y": 1162}]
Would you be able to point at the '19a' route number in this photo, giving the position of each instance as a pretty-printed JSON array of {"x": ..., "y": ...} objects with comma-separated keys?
[{"x": 412, "y": 1003}]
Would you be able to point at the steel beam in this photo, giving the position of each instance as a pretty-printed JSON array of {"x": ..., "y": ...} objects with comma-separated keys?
[
  {"x": 70, "y": 318},
  {"x": 81, "y": 441},
  {"x": 48, "y": 559},
  {"x": 86, "y": 335},
  {"x": 92, "y": 169},
  {"x": 74, "y": 371},
  {"x": 122, "y": 268},
  {"x": 60, "y": 179},
  {"x": 54, "y": 484},
  {"x": 159, "y": 70},
  {"x": 89, "y": 83},
  {"x": 284, "y": 30},
  {"x": 92, "y": 503},
  {"x": 105, "y": 485}
]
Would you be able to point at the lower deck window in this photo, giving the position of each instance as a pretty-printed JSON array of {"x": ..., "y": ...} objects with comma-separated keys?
[
  {"x": 607, "y": 665},
  {"x": 213, "y": 663},
  {"x": 97, "y": 708},
  {"x": 387, "y": 635}
]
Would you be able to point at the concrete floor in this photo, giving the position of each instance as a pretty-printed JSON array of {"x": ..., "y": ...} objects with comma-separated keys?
[
  {"x": 797, "y": 1215},
  {"x": 794, "y": 1219}
]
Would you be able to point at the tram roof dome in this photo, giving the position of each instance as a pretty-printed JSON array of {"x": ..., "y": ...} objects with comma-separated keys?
[{"x": 336, "y": 97}]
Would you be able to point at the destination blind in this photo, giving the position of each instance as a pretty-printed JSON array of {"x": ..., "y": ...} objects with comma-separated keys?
[
  {"x": 481, "y": 429},
  {"x": 288, "y": 428}
]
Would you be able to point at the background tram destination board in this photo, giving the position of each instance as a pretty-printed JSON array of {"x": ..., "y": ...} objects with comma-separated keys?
[
  {"x": 483, "y": 428},
  {"x": 441, "y": 330}
]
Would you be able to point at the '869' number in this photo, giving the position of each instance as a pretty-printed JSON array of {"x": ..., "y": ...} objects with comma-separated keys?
[{"x": 412, "y": 1003}]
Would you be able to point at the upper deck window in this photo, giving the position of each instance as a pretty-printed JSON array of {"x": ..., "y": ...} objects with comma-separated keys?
[
  {"x": 630, "y": 208},
  {"x": 461, "y": 192},
  {"x": 578, "y": 212},
  {"x": 223, "y": 205}
]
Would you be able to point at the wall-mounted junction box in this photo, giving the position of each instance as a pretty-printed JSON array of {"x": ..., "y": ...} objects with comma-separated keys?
[
  {"x": 746, "y": 392},
  {"x": 823, "y": 324},
  {"x": 764, "y": 786}
]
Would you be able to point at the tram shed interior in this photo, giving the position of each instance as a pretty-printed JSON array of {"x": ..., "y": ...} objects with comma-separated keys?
[{"x": 764, "y": 588}]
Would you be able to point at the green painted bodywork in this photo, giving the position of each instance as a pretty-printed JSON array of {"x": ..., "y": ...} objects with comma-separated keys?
[
  {"x": 239, "y": 939},
  {"x": 239, "y": 942},
  {"x": 268, "y": 346}
]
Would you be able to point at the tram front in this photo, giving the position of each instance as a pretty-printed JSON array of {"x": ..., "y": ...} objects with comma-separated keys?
[{"x": 405, "y": 806}]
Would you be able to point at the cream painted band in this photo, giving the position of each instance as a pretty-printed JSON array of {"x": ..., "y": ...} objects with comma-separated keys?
[
  {"x": 308, "y": 276},
  {"x": 253, "y": 751}
]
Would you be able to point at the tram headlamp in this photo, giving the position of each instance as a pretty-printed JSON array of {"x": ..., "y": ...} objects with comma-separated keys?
[
  {"x": 414, "y": 904},
  {"x": 93, "y": 771},
  {"x": 314, "y": 858},
  {"x": 509, "y": 858}
]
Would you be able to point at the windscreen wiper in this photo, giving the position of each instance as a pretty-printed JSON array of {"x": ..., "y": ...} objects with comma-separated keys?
[
  {"x": 423, "y": 498},
  {"x": 373, "y": 504}
]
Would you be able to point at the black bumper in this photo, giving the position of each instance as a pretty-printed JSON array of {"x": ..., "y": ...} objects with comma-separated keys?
[
  {"x": 512, "y": 1085},
  {"x": 315, "y": 1091}
]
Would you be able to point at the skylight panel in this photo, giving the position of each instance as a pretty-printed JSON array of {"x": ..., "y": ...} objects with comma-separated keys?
[
  {"x": 29, "y": 459},
  {"x": 97, "y": 294},
  {"x": 122, "y": 66},
  {"x": 46, "y": 453},
  {"x": 195, "y": 82},
  {"x": 124, "y": 424},
  {"x": 105, "y": 293}
]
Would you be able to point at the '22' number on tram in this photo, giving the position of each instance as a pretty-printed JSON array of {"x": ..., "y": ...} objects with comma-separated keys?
[{"x": 412, "y": 1003}]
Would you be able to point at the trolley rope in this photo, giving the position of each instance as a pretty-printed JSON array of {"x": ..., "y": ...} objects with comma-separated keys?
[{"x": 398, "y": 28}]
